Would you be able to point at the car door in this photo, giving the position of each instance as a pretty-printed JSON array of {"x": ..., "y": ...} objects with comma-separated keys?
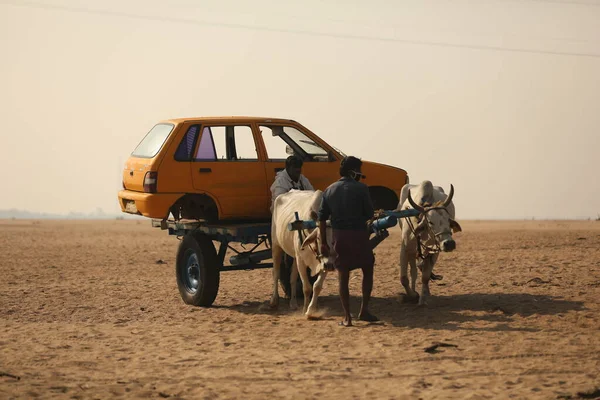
[
  {"x": 281, "y": 141},
  {"x": 226, "y": 165}
]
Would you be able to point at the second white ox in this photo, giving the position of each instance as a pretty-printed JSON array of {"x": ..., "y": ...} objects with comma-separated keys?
[
  {"x": 426, "y": 234},
  {"x": 306, "y": 254}
]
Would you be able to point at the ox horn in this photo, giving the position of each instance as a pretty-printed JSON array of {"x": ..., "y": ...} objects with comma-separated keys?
[
  {"x": 415, "y": 205},
  {"x": 449, "y": 198}
]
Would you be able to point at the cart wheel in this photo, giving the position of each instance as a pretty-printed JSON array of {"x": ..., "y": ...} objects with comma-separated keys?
[
  {"x": 285, "y": 275},
  {"x": 197, "y": 270}
]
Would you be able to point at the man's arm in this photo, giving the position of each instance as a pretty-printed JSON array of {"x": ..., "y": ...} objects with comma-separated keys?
[
  {"x": 280, "y": 186},
  {"x": 368, "y": 211},
  {"x": 278, "y": 190},
  {"x": 323, "y": 233},
  {"x": 324, "y": 210},
  {"x": 307, "y": 185},
  {"x": 324, "y": 214}
]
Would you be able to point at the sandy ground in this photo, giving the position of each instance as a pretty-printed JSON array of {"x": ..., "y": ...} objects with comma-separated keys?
[{"x": 87, "y": 312}]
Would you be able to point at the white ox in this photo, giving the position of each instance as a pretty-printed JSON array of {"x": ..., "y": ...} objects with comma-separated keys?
[
  {"x": 433, "y": 227},
  {"x": 306, "y": 254}
]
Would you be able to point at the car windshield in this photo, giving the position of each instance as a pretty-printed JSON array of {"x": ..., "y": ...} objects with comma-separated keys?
[
  {"x": 339, "y": 151},
  {"x": 283, "y": 141},
  {"x": 309, "y": 146},
  {"x": 153, "y": 141}
]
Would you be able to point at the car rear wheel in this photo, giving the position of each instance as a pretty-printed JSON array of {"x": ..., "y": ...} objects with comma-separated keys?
[{"x": 197, "y": 270}]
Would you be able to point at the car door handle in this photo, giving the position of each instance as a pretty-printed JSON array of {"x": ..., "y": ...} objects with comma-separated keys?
[{"x": 204, "y": 170}]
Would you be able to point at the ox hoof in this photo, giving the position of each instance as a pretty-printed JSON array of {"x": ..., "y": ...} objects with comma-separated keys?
[
  {"x": 313, "y": 317},
  {"x": 406, "y": 299},
  {"x": 293, "y": 305},
  {"x": 274, "y": 303},
  {"x": 424, "y": 298},
  {"x": 313, "y": 313}
]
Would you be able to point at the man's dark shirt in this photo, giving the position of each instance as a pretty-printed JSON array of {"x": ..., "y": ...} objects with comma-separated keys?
[{"x": 348, "y": 203}]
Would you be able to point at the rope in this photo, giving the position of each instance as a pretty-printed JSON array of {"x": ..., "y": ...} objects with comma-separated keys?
[
  {"x": 423, "y": 250},
  {"x": 315, "y": 252}
]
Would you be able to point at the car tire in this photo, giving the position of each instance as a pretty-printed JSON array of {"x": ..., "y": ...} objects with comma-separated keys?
[{"x": 197, "y": 270}]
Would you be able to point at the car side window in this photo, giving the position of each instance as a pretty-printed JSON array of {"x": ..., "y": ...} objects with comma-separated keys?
[
  {"x": 226, "y": 143},
  {"x": 212, "y": 144},
  {"x": 186, "y": 147},
  {"x": 277, "y": 148},
  {"x": 245, "y": 147}
]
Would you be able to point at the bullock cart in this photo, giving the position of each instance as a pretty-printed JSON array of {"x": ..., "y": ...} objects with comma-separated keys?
[{"x": 199, "y": 263}]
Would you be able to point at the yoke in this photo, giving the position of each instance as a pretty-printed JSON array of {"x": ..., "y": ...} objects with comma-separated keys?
[{"x": 378, "y": 227}]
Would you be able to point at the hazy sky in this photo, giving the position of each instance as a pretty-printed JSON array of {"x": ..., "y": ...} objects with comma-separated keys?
[{"x": 499, "y": 97}]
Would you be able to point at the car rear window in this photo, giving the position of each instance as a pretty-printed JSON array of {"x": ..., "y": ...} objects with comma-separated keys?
[{"x": 153, "y": 141}]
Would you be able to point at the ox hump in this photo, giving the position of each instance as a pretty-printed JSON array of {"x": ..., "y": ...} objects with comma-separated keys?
[{"x": 304, "y": 202}]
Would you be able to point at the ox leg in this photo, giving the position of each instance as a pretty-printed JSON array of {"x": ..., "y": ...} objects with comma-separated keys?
[
  {"x": 312, "y": 307},
  {"x": 413, "y": 274},
  {"x": 293, "y": 286},
  {"x": 277, "y": 256},
  {"x": 404, "y": 274},
  {"x": 425, "y": 277},
  {"x": 306, "y": 286},
  {"x": 433, "y": 262}
]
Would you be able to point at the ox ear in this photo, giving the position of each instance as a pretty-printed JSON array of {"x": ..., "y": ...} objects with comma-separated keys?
[
  {"x": 455, "y": 226},
  {"x": 310, "y": 239}
]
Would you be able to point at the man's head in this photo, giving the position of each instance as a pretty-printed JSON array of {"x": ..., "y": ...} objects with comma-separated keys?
[
  {"x": 293, "y": 166},
  {"x": 351, "y": 168}
]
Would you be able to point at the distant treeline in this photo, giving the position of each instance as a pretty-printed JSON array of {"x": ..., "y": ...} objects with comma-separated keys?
[{"x": 24, "y": 214}]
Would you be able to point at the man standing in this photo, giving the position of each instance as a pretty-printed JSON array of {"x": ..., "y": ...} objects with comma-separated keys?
[
  {"x": 348, "y": 203},
  {"x": 290, "y": 178}
]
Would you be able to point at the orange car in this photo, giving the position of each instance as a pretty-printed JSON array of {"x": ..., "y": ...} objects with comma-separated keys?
[{"x": 221, "y": 168}]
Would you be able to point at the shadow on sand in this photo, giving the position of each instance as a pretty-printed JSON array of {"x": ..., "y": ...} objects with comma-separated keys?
[
  {"x": 443, "y": 312},
  {"x": 458, "y": 311}
]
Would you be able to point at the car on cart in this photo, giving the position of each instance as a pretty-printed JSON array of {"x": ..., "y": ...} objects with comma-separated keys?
[{"x": 221, "y": 168}]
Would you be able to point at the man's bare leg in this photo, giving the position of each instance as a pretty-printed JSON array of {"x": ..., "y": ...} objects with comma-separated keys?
[
  {"x": 344, "y": 279},
  {"x": 367, "y": 287}
]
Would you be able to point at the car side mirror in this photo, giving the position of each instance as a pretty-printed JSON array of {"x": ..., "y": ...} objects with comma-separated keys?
[
  {"x": 288, "y": 150},
  {"x": 330, "y": 156}
]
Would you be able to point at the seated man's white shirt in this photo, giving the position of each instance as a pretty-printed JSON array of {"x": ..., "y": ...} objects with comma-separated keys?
[{"x": 283, "y": 184}]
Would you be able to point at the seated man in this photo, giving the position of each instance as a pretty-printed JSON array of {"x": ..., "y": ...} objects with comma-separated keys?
[{"x": 290, "y": 178}]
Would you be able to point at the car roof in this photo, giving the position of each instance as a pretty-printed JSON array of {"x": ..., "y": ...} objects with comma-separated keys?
[{"x": 229, "y": 119}]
